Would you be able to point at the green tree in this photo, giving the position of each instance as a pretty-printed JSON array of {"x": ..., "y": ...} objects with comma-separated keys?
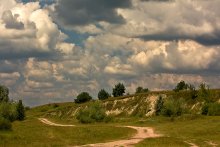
[
  {"x": 102, "y": 95},
  {"x": 119, "y": 90},
  {"x": 83, "y": 97},
  {"x": 20, "y": 110},
  {"x": 4, "y": 92},
  {"x": 181, "y": 86},
  {"x": 139, "y": 89}
]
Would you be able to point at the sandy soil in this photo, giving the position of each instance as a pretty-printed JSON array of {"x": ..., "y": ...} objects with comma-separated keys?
[
  {"x": 45, "y": 121},
  {"x": 142, "y": 133}
]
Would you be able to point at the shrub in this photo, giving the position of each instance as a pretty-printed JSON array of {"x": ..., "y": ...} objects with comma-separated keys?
[
  {"x": 4, "y": 124},
  {"x": 102, "y": 95},
  {"x": 55, "y": 105},
  {"x": 8, "y": 111},
  {"x": 83, "y": 97},
  {"x": 173, "y": 107},
  {"x": 159, "y": 105},
  {"x": 93, "y": 113},
  {"x": 205, "y": 109},
  {"x": 212, "y": 109}
]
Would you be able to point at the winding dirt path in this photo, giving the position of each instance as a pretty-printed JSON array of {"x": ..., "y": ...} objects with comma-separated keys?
[{"x": 142, "y": 133}]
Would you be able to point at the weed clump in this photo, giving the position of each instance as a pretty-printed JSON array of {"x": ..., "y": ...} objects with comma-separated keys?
[
  {"x": 93, "y": 113},
  {"x": 173, "y": 107},
  {"x": 5, "y": 124},
  {"x": 211, "y": 109}
]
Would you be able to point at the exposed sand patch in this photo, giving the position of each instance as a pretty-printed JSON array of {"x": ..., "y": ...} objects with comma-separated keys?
[
  {"x": 142, "y": 133},
  {"x": 46, "y": 121}
]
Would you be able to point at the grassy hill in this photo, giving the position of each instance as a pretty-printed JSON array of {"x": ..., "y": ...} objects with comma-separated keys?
[
  {"x": 135, "y": 110},
  {"x": 142, "y": 105}
]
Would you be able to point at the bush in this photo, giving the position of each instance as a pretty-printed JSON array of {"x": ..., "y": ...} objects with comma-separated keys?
[
  {"x": 211, "y": 109},
  {"x": 205, "y": 109},
  {"x": 93, "y": 113},
  {"x": 102, "y": 95},
  {"x": 214, "y": 109},
  {"x": 159, "y": 105},
  {"x": 83, "y": 97},
  {"x": 8, "y": 111},
  {"x": 173, "y": 107},
  {"x": 4, "y": 124}
]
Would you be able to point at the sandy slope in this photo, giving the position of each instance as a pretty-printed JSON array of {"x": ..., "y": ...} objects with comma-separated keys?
[{"x": 45, "y": 121}]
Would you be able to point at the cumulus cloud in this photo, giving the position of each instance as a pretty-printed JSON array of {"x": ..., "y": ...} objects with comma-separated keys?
[
  {"x": 27, "y": 30},
  {"x": 83, "y": 12},
  {"x": 11, "y": 21},
  {"x": 152, "y": 44}
]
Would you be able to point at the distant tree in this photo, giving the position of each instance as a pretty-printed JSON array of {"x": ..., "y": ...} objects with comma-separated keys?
[
  {"x": 141, "y": 90},
  {"x": 145, "y": 90},
  {"x": 181, "y": 86},
  {"x": 119, "y": 90},
  {"x": 83, "y": 97},
  {"x": 4, "y": 92},
  {"x": 20, "y": 110},
  {"x": 102, "y": 95}
]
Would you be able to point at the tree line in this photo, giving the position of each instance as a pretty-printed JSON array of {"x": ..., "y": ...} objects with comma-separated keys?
[{"x": 118, "y": 90}]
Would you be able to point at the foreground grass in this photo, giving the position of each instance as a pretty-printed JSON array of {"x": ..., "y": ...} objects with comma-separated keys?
[
  {"x": 200, "y": 131},
  {"x": 32, "y": 132}
]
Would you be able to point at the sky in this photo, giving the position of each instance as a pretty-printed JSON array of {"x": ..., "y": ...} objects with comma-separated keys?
[{"x": 52, "y": 50}]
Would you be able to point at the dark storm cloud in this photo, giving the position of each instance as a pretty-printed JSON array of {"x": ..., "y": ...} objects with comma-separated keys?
[
  {"x": 209, "y": 39},
  {"x": 11, "y": 21},
  {"x": 83, "y": 12}
]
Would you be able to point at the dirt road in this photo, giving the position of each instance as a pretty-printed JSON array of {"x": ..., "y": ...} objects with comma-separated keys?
[{"x": 142, "y": 133}]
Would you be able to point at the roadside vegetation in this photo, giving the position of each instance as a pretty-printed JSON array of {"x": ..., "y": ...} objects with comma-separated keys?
[{"x": 9, "y": 110}]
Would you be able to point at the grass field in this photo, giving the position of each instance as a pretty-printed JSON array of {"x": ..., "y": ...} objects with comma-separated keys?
[
  {"x": 203, "y": 131},
  {"x": 32, "y": 132}
]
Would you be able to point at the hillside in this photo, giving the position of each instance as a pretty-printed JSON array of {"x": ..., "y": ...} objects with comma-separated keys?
[{"x": 133, "y": 105}]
